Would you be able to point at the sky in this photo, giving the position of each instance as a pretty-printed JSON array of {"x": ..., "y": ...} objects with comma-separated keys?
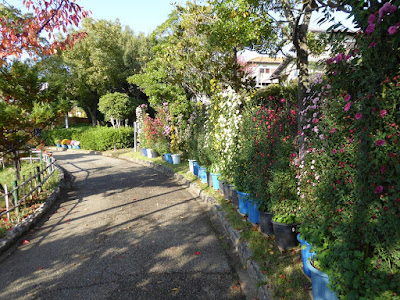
[{"x": 140, "y": 15}]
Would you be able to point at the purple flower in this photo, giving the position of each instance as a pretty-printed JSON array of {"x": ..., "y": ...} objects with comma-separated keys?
[
  {"x": 383, "y": 113},
  {"x": 371, "y": 19},
  {"x": 347, "y": 106},
  {"x": 370, "y": 29},
  {"x": 392, "y": 30},
  {"x": 372, "y": 45},
  {"x": 347, "y": 98},
  {"x": 380, "y": 143},
  {"x": 358, "y": 116},
  {"x": 392, "y": 9},
  {"x": 379, "y": 189}
]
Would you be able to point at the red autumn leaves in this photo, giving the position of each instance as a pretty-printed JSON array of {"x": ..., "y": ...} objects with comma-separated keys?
[{"x": 21, "y": 33}]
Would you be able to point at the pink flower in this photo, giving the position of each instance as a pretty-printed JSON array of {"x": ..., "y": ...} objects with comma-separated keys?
[
  {"x": 283, "y": 100},
  {"x": 347, "y": 98},
  {"x": 333, "y": 130},
  {"x": 338, "y": 57},
  {"x": 334, "y": 151},
  {"x": 383, "y": 169},
  {"x": 370, "y": 29},
  {"x": 392, "y": 8},
  {"x": 358, "y": 116},
  {"x": 372, "y": 45},
  {"x": 392, "y": 30},
  {"x": 342, "y": 150},
  {"x": 371, "y": 19},
  {"x": 347, "y": 106},
  {"x": 383, "y": 113},
  {"x": 378, "y": 189},
  {"x": 380, "y": 143}
]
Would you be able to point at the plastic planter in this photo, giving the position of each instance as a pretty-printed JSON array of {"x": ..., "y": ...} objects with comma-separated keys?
[
  {"x": 191, "y": 168},
  {"x": 168, "y": 158},
  {"x": 243, "y": 198},
  {"x": 254, "y": 214},
  {"x": 319, "y": 282},
  {"x": 176, "y": 159},
  {"x": 215, "y": 181},
  {"x": 202, "y": 174},
  {"x": 285, "y": 234},
  {"x": 196, "y": 168},
  {"x": 305, "y": 254},
  {"x": 265, "y": 223}
]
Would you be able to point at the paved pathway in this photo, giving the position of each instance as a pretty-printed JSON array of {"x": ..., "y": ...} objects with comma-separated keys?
[{"x": 124, "y": 231}]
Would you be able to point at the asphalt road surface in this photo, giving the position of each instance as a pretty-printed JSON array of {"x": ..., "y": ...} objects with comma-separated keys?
[{"x": 124, "y": 231}]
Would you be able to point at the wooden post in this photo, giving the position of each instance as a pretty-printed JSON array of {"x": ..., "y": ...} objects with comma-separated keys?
[
  {"x": 7, "y": 201},
  {"x": 38, "y": 178},
  {"x": 135, "y": 135},
  {"x": 15, "y": 186},
  {"x": 31, "y": 181},
  {"x": 23, "y": 186}
]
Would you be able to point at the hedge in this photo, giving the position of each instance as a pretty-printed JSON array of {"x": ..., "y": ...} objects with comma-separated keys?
[{"x": 92, "y": 138}]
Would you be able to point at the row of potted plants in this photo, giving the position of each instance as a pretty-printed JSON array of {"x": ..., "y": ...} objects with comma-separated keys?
[{"x": 68, "y": 144}]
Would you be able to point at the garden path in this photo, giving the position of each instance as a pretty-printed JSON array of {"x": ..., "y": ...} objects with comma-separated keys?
[{"x": 124, "y": 231}]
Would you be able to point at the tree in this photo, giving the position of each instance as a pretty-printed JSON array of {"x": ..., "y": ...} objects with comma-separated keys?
[
  {"x": 24, "y": 107},
  {"x": 117, "y": 107},
  {"x": 101, "y": 62},
  {"x": 193, "y": 48},
  {"x": 22, "y": 32}
]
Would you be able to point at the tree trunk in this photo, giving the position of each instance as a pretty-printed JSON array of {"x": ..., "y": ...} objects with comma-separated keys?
[{"x": 17, "y": 165}]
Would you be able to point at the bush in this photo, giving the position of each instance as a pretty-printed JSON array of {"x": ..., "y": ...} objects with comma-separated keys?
[{"x": 93, "y": 138}]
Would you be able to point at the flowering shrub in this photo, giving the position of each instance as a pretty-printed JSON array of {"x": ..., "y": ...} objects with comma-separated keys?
[
  {"x": 349, "y": 179},
  {"x": 225, "y": 120},
  {"x": 157, "y": 131}
]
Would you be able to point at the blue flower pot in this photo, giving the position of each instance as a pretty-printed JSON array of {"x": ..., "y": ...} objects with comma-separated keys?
[
  {"x": 191, "y": 161},
  {"x": 168, "y": 158},
  {"x": 202, "y": 174},
  {"x": 254, "y": 214},
  {"x": 195, "y": 168},
  {"x": 320, "y": 281},
  {"x": 215, "y": 181},
  {"x": 243, "y": 198},
  {"x": 305, "y": 254}
]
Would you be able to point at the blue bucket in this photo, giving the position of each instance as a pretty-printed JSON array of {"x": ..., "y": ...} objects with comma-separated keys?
[
  {"x": 196, "y": 168},
  {"x": 215, "y": 181},
  {"x": 203, "y": 174},
  {"x": 168, "y": 158},
  {"x": 243, "y": 198},
  {"x": 254, "y": 214}
]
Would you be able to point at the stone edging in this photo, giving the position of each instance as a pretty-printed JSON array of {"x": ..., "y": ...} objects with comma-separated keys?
[
  {"x": 24, "y": 226},
  {"x": 241, "y": 247}
]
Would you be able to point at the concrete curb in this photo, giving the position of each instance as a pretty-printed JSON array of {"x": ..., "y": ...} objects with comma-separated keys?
[
  {"x": 241, "y": 247},
  {"x": 24, "y": 226}
]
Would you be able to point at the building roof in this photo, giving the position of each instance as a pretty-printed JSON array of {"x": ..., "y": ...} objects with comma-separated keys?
[{"x": 265, "y": 60}]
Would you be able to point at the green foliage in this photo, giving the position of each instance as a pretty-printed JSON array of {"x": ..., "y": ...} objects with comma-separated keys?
[
  {"x": 117, "y": 107},
  {"x": 101, "y": 62},
  {"x": 349, "y": 179},
  {"x": 93, "y": 138}
]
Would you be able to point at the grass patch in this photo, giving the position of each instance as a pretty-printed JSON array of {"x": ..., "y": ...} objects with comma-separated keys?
[
  {"x": 7, "y": 176},
  {"x": 285, "y": 279}
]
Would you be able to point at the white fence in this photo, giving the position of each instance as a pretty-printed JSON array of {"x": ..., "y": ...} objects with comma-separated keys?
[{"x": 15, "y": 197}]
